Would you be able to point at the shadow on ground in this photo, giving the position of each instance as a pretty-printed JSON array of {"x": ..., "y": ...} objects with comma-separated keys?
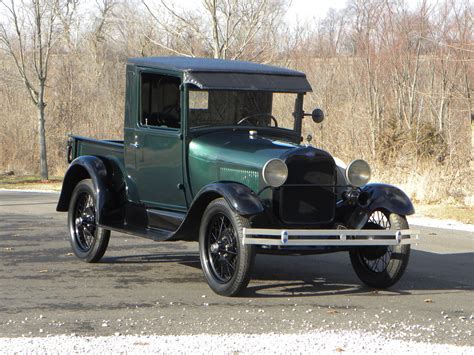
[{"x": 283, "y": 276}]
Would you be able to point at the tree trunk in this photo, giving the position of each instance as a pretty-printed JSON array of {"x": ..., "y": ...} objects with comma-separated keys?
[
  {"x": 215, "y": 29},
  {"x": 42, "y": 135}
]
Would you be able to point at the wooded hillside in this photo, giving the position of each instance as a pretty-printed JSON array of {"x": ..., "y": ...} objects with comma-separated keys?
[{"x": 395, "y": 81}]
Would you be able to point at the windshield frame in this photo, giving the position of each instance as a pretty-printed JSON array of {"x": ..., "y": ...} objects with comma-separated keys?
[{"x": 293, "y": 134}]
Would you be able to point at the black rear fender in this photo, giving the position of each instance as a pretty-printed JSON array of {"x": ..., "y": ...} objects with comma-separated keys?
[{"x": 104, "y": 179}]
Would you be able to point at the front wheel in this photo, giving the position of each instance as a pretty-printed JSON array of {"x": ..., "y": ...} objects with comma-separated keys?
[
  {"x": 225, "y": 261},
  {"x": 88, "y": 241},
  {"x": 381, "y": 266}
]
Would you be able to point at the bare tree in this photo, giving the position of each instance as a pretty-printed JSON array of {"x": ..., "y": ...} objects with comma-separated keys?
[
  {"x": 28, "y": 42},
  {"x": 366, "y": 16},
  {"x": 228, "y": 29},
  {"x": 99, "y": 31}
]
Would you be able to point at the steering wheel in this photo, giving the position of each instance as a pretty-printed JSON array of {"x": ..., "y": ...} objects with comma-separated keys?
[
  {"x": 168, "y": 108},
  {"x": 262, "y": 114},
  {"x": 167, "y": 116}
]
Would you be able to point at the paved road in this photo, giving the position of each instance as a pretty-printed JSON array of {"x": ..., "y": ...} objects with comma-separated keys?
[{"x": 142, "y": 287}]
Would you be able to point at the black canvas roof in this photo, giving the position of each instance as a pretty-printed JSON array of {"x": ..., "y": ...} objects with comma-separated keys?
[
  {"x": 190, "y": 64},
  {"x": 210, "y": 73}
]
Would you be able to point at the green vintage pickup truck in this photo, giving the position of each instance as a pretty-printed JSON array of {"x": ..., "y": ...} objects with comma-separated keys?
[{"x": 213, "y": 152}]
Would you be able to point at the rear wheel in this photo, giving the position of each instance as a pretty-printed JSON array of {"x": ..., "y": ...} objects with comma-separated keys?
[
  {"x": 381, "y": 266},
  {"x": 88, "y": 241},
  {"x": 226, "y": 263}
]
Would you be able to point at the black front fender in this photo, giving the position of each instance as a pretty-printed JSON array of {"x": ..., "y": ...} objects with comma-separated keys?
[
  {"x": 240, "y": 198},
  {"x": 381, "y": 197},
  {"x": 85, "y": 167}
]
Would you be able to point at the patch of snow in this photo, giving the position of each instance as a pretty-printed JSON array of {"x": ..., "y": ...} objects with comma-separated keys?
[
  {"x": 35, "y": 191},
  {"x": 440, "y": 223},
  {"x": 322, "y": 342}
]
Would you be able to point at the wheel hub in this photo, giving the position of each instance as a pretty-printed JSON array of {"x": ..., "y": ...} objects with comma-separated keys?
[
  {"x": 214, "y": 248},
  {"x": 372, "y": 253}
]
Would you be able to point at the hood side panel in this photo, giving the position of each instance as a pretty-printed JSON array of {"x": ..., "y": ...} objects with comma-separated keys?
[{"x": 235, "y": 156}]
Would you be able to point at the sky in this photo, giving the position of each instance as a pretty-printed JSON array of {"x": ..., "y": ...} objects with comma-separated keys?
[
  {"x": 299, "y": 10},
  {"x": 312, "y": 9}
]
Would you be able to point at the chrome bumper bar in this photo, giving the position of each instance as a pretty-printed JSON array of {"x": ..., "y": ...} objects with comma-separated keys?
[{"x": 328, "y": 237}]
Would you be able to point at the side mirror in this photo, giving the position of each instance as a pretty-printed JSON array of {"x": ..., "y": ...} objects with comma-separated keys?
[{"x": 317, "y": 115}]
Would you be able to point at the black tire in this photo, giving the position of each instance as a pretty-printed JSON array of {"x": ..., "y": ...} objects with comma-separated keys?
[
  {"x": 381, "y": 267},
  {"x": 88, "y": 241},
  {"x": 226, "y": 263}
]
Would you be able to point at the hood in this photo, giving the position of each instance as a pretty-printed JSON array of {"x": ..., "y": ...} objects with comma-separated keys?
[
  {"x": 235, "y": 156},
  {"x": 237, "y": 147}
]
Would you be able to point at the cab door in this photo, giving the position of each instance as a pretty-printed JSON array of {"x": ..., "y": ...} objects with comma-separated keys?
[{"x": 158, "y": 142}]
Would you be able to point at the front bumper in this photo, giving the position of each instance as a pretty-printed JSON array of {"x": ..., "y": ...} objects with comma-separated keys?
[{"x": 328, "y": 237}]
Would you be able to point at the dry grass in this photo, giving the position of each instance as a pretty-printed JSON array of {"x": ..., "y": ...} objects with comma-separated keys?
[
  {"x": 30, "y": 182},
  {"x": 458, "y": 213},
  {"x": 431, "y": 184}
]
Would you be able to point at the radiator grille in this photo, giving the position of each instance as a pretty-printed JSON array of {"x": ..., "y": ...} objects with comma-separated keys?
[{"x": 299, "y": 203}]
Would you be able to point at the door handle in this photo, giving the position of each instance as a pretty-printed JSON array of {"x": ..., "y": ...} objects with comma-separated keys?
[{"x": 135, "y": 145}]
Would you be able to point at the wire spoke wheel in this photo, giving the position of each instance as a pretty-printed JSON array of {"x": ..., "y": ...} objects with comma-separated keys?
[
  {"x": 225, "y": 261},
  {"x": 88, "y": 241},
  {"x": 381, "y": 266},
  {"x": 222, "y": 247},
  {"x": 377, "y": 258},
  {"x": 85, "y": 222}
]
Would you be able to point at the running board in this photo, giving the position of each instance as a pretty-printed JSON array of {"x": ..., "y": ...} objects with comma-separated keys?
[{"x": 149, "y": 233}]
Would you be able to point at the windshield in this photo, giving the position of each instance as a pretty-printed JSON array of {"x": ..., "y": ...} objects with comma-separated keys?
[{"x": 243, "y": 108}]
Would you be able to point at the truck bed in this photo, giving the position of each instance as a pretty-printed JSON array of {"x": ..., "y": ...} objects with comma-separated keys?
[{"x": 96, "y": 147}]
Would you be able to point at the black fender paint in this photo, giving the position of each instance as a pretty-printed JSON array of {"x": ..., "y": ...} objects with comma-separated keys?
[
  {"x": 85, "y": 167},
  {"x": 240, "y": 198},
  {"x": 382, "y": 197}
]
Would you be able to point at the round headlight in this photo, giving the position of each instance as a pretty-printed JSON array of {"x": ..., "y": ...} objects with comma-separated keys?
[
  {"x": 275, "y": 172},
  {"x": 358, "y": 172}
]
